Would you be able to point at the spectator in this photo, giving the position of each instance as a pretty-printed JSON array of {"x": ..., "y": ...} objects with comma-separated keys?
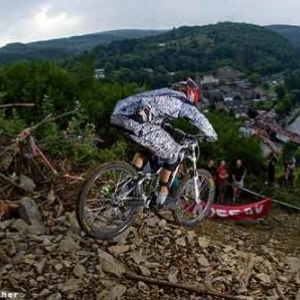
[
  {"x": 289, "y": 172},
  {"x": 238, "y": 177},
  {"x": 271, "y": 167},
  {"x": 211, "y": 168},
  {"x": 221, "y": 178}
]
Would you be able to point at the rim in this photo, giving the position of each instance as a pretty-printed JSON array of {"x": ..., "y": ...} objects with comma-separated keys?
[
  {"x": 188, "y": 211},
  {"x": 109, "y": 201}
]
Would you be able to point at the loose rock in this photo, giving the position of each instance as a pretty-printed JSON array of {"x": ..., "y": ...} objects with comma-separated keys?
[
  {"x": 68, "y": 245},
  {"x": 264, "y": 278},
  {"x": 203, "y": 242},
  {"x": 117, "y": 292},
  {"x": 202, "y": 260},
  {"x": 172, "y": 277},
  {"x": 119, "y": 249},
  {"x": 181, "y": 242},
  {"x": 29, "y": 212},
  {"x": 110, "y": 264},
  {"x": 79, "y": 271}
]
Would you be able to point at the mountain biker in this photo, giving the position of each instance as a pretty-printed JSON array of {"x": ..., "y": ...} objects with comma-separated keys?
[{"x": 142, "y": 116}]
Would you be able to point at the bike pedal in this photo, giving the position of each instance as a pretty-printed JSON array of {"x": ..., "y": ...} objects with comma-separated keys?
[{"x": 168, "y": 205}]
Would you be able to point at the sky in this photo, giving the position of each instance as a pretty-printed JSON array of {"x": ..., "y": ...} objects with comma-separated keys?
[{"x": 32, "y": 20}]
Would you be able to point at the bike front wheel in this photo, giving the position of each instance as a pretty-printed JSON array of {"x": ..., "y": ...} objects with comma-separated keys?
[
  {"x": 107, "y": 201},
  {"x": 187, "y": 212}
]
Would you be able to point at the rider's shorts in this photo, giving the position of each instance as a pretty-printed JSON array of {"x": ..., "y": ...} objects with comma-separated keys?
[
  {"x": 151, "y": 136},
  {"x": 159, "y": 142}
]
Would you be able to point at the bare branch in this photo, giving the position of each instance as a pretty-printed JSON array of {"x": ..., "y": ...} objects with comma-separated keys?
[
  {"x": 17, "y": 105},
  {"x": 49, "y": 118},
  {"x": 196, "y": 290},
  {"x": 11, "y": 182}
]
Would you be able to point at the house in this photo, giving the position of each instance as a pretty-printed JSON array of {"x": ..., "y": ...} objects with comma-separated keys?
[
  {"x": 149, "y": 70},
  {"x": 228, "y": 99},
  {"x": 260, "y": 93},
  {"x": 99, "y": 73},
  {"x": 209, "y": 79},
  {"x": 244, "y": 84},
  {"x": 228, "y": 74}
]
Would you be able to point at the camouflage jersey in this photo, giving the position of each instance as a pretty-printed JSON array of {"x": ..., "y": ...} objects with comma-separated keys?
[{"x": 160, "y": 104}]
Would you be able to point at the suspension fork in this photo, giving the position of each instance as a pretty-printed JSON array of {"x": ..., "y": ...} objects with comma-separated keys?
[
  {"x": 195, "y": 176},
  {"x": 173, "y": 175}
]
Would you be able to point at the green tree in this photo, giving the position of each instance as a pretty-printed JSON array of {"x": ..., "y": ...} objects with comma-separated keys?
[
  {"x": 255, "y": 79},
  {"x": 284, "y": 105}
]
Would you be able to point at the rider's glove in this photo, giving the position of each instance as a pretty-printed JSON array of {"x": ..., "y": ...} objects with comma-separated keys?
[
  {"x": 212, "y": 138},
  {"x": 143, "y": 114}
]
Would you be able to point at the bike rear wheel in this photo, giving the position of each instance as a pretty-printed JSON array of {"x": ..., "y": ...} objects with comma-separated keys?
[
  {"x": 187, "y": 212},
  {"x": 107, "y": 201}
]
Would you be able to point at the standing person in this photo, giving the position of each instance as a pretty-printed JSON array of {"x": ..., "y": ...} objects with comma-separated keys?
[
  {"x": 271, "y": 167},
  {"x": 211, "y": 168},
  {"x": 289, "y": 172},
  {"x": 142, "y": 116},
  {"x": 221, "y": 178},
  {"x": 238, "y": 177}
]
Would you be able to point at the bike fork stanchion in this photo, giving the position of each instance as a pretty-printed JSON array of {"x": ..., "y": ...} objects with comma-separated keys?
[
  {"x": 195, "y": 177},
  {"x": 195, "y": 180}
]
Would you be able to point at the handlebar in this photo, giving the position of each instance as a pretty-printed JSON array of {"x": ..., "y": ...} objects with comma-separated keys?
[{"x": 199, "y": 136}]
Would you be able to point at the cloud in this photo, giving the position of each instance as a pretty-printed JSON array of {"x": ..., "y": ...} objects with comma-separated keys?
[
  {"x": 51, "y": 25},
  {"x": 40, "y": 23},
  {"x": 28, "y": 20}
]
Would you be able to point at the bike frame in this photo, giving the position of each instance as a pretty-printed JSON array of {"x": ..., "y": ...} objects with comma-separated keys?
[
  {"x": 142, "y": 177},
  {"x": 35, "y": 151}
]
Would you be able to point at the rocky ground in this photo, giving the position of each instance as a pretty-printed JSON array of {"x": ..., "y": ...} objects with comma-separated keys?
[{"x": 52, "y": 259}]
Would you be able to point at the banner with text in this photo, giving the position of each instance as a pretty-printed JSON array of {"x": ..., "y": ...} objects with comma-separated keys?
[{"x": 241, "y": 212}]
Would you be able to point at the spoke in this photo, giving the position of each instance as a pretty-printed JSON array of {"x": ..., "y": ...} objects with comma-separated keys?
[
  {"x": 114, "y": 175},
  {"x": 106, "y": 178},
  {"x": 126, "y": 194},
  {"x": 99, "y": 208},
  {"x": 201, "y": 181},
  {"x": 187, "y": 212},
  {"x": 98, "y": 200},
  {"x": 121, "y": 183},
  {"x": 117, "y": 185},
  {"x": 97, "y": 214},
  {"x": 93, "y": 209},
  {"x": 206, "y": 183}
]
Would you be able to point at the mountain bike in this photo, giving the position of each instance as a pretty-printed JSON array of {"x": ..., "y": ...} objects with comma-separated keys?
[
  {"x": 111, "y": 196},
  {"x": 26, "y": 145}
]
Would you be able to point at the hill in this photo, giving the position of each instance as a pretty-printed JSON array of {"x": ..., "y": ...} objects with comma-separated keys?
[
  {"x": 247, "y": 47},
  {"x": 201, "y": 48},
  {"x": 62, "y": 47},
  {"x": 291, "y": 33}
]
